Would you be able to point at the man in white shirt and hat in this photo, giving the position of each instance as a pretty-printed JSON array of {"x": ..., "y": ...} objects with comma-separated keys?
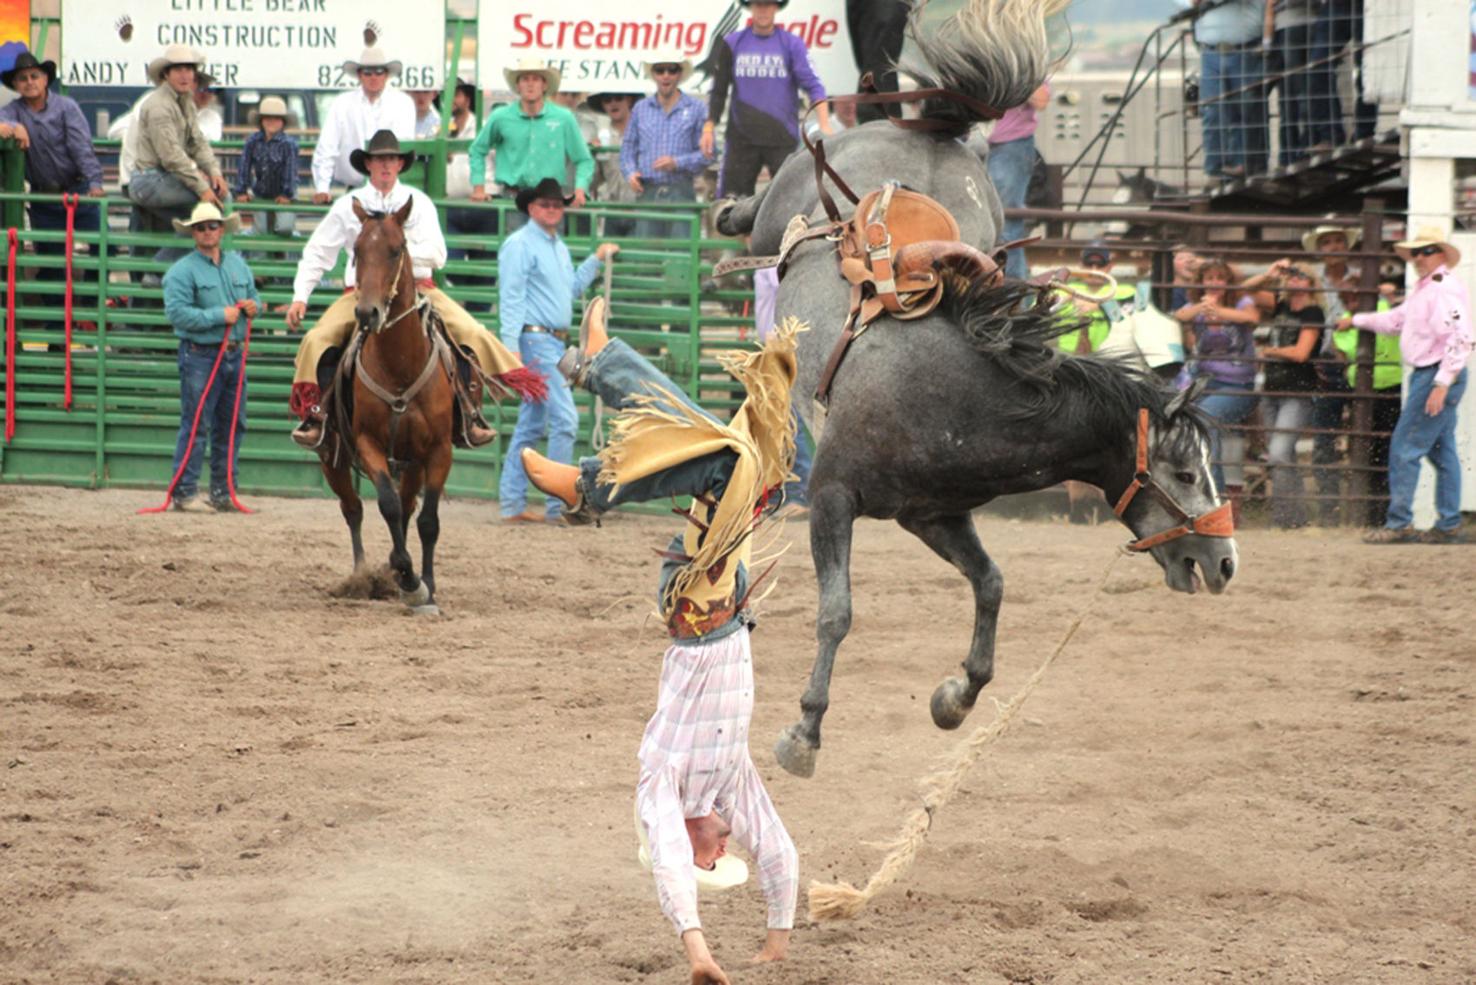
[
  {"x": 381, "y": 162},
  {"x": 357, "y": 115},
  {"x": 173, "y": 167}
]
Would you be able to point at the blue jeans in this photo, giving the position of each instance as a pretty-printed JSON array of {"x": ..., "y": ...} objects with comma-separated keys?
[
  {"x": 1284, "y": 418},
  {"x": 195, "y": 362},
  {"x": 1340, "y": 23},
  {"x": 1232, "y": 109},
  {"x": 798, "y": 491},
  {"x": 1289, "y": 53},
  {"x": 1417, "y": 436},
  {"x": 1010, "y": 164},
  {"x": 679, "y": 188},
  {"x": 616, "y": 374},
  {"x": 1228, "y": 403},
  {"x": 165, "y": 197},
  {"x": 554, "y": 419}
]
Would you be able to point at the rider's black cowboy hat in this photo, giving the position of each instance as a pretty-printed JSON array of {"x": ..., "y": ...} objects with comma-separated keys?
[
  {"x": 384, "y": 143},
  {"x": 27, "y": 60},
  {"x": 547, "y": 188}
]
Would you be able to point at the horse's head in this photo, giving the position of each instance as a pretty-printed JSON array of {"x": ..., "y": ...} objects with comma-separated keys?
[
  {"x": 381, "y": 259},
  {"x": 1170, "y": 501}
]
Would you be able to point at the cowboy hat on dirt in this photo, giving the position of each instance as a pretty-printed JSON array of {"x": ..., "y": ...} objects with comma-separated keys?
[
  {"x": 547, "y": 188},
  {"x": 24, "y": 61},
  {"x": 372, "y": 58},
  {"x": 179, "y": 54},
  {"x": 533, "y": 66},
  {"x": 208, "y": 212},
  {"x": 1311, "y": 239},
  {"x": 725, "y": 873},
  {"x": 384, "y": 143},
  {"x": 1425, "y": 237},
  {"x": 669, "y": 57}
]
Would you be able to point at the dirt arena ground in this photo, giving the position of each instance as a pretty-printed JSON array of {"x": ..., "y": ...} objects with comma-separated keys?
[{"x": 215, "y": 772}]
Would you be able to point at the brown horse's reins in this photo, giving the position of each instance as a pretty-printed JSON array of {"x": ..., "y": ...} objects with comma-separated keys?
[{"x": 1218, "y": 522}]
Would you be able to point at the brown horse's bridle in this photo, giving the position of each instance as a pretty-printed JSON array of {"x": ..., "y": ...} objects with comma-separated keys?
[{"x": 1218, "y": 522}]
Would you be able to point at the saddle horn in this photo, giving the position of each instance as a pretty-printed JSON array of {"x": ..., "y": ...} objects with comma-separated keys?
[{"x": 949, "y": 258}]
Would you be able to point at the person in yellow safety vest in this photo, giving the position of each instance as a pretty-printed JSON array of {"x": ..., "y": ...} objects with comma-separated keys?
[
  {"x": 1388, "y": 376},
  {"x": 1096, "y": 256}
]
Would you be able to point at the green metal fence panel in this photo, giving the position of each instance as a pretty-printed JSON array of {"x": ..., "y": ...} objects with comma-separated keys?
[{"x": 122, "y": 425}]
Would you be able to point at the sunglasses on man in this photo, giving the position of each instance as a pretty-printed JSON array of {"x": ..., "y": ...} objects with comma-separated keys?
[
  {"x": 373, "y": 71},
  {"x": 666, "y": 70},
  {"x": 1426, "y": 251},
  {"x": 1094, "y": 263},
  {"x": 209, "y": 227}
]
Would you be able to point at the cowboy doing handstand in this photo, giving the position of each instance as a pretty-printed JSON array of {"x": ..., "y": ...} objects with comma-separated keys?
[
  {"x": 383, "y": 161},
  {"x": 697, "y": 784}
]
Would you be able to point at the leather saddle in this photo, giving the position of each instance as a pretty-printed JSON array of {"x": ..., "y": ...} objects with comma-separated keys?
[{"x": 875, "y": 259}]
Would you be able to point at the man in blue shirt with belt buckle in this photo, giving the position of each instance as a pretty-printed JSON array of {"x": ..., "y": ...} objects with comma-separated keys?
[
  {"x": 208, "y": 295},
  {"x": 537, "y": 284},
  {"x": 1232, "y": 98}
]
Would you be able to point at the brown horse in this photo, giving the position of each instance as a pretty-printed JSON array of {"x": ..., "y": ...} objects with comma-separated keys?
[{"x": 401, "y": 427}]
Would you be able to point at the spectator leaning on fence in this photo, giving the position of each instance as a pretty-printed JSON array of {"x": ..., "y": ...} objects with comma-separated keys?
[
  {"x": 534, "y": 138},
  {"x": 59, "y": 156},
  {"x": 764, "y": 69},
  {"x": 208, "y": 295},
  {"x": 1232, "y": 101},
  {"x": 357, "y": 115},
  {"x": 268, "y": 169},
  {"x": 174, "y": 166},
  {"x": 661, "y": 154},
  {"x": 1436, "y": 338}
]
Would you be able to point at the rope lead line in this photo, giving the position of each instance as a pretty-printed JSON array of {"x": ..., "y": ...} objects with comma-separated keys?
[
  {"x": 842, "y": 901},
  {"x": 195, "y": 427}
]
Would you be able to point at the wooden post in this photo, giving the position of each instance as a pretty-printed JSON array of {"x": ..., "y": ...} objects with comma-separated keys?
[{"x": 1360, "y": 445}]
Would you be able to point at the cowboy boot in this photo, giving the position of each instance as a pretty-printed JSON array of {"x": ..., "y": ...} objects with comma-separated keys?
[
  {"x": 306, "y": 402},
  {"x": 574, "y": 363},
  {"x": 474, "y": 426},
  {"x": 557, "y": 479}
]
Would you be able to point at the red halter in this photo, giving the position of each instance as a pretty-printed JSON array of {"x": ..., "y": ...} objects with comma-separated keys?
[{"x": 1216, "y": 523}]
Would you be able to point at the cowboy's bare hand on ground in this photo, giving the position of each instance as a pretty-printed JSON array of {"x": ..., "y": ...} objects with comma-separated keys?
[
  {"x": 295, "y": 311},
  {"x": 707, "y": 972}
]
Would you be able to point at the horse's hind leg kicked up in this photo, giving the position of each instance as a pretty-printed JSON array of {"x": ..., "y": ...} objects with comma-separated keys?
[{"x": 954, "y": 539}]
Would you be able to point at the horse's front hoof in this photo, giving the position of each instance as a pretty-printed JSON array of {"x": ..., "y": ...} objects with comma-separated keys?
[
  {"x": 429, "y": 609},
  {"x": 795, "y": 753},
  {"x": 416, "y": 597},
  {"x": 948, "y": 705}
]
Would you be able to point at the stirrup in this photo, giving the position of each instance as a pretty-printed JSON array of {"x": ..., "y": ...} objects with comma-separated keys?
[
  {"x": 571, "y": 366},
  {"x": 303, "y": 435}
]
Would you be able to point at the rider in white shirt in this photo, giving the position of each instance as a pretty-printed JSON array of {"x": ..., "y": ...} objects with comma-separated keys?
[
  {"x": 355, "y": 116},
  {"x": 382, "y": 163}
]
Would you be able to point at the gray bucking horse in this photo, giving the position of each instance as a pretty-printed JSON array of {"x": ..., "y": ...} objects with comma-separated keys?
[{"x": 928, "y": 419}]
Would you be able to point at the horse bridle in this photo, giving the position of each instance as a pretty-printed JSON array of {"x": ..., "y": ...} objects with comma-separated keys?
[{"x": 1217, "y": 522}]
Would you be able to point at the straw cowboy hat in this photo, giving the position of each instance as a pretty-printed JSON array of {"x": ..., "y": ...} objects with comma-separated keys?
[
  {"x": 208, "y": 212},
  {"x": 533, "y": 66},
  {"x": 1309, "y": 239},
  {"x": 726, "y": 873},
  {"x": 384, "y": 143},
  {"x": 1429, "y": 236},
  {"x": 24, "y": 61},
  {"x": 670, "y": 57},
  {"x": 179, "y": 54},
  {"x": 372, "y": 58},
  {"x": 272, "y": 106},
  {"x": 547, "y": 188}
]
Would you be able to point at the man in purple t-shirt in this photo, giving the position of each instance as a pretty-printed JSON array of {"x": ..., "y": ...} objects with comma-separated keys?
[{"x": 766, "y": 69}]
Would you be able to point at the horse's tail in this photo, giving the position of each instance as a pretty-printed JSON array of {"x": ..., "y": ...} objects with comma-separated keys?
[{"x": 996, "y": 52}]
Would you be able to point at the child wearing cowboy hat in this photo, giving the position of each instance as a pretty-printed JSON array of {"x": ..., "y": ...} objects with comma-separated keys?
[{"x": 269, "y": 168}]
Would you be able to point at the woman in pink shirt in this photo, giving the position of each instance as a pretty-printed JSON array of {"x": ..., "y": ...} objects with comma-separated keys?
[{"x": 1011, "y": 159}]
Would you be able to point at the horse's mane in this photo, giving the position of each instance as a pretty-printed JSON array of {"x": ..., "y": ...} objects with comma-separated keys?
[{"x": 1095, "y": 394}]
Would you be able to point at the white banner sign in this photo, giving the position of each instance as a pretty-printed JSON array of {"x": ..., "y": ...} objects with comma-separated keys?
[
  {"x": 251, "y": 44},
  {"x": 599, "y": 50}
]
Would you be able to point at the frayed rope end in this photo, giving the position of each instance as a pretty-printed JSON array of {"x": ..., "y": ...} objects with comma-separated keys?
[{"x": 836, "y": 901}]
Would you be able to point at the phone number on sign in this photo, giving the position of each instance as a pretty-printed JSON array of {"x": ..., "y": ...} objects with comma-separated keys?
[{"x": 413, "y": 77}]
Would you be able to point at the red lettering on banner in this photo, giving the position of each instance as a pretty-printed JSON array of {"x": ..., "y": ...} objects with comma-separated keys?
[
  {"x": 524, "y": 39},
  {"x": 689, "y": 36}
]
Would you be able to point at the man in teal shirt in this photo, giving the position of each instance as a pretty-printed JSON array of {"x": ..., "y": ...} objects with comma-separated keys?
[
  {"x": 534, "y": 138},
  {"x": 208, "y": 295}
]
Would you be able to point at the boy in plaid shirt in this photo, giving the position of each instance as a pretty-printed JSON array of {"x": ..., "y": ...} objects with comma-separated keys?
[{"x": 269, "y": 168}]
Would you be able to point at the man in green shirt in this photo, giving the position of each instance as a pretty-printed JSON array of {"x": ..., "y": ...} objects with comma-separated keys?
[{"x": 534, "y": 138}]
